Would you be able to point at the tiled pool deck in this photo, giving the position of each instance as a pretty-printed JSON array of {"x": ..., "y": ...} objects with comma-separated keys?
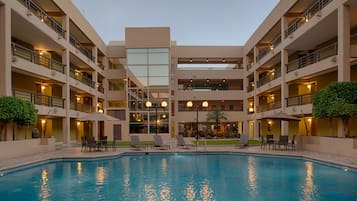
[{"x": 75, "y": 152}]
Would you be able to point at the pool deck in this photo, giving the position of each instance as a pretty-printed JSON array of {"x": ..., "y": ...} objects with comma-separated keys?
[{"x": 75, "y": 153}]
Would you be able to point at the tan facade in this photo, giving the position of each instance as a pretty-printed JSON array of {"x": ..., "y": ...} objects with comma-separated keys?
[{"x": 53, "y": 57}]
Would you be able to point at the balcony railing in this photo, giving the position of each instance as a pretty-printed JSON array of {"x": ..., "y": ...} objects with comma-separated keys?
[
  {"x": 39, "y": 99},
  {"x": 36, "y": 58},
  {"x": 250, "y": 88},
  {"x": 100, "y": 88},
  {"x": 306, "y": 16},
  {"x": 269, "y": 106},
  {"x": 82, "y": 78},
  {"x": 81, "y": 48},
  {"x": 101, "y": 66},
  {"x": 299, "y": 100},
  {"x": 311, "y": 58},
  {"x": 44, "y": 17},
  {"x": 268, "y": 78},
  {"x": 81, "y": 107}
]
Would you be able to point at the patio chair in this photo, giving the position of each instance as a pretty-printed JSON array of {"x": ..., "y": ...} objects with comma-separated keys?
[
  {"x": 263, "y": 142},
  {"x": 292, "y": 143},
  {"x": 104, "y": 143},
  {"x": 91, "y": 143},
  {"x": 283, "y": 140},
  {"x": 113, "y": 145},
  {"x": 181, "y": 142},
  {"x": 243, "y": 141},
  {"x": 270, "y": 140},
  {"x": 84, "y": 143},
  {"x": 158, "y": 143},
  {"x": 135, "y": 142}
]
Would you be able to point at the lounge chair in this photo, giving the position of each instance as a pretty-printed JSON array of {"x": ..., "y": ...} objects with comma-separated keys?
[
  {"x": 135, "y": 142},
  {"x": 158, "y": 143},
  {"x": 181, "y": 142},
  {"x": 243, "y": 141},
  {"x": 91, "y": 143},
  {"x": 270, "y": 140},
  {"x": 84, "y": 143},
  {"x": 263, "y": 142}
]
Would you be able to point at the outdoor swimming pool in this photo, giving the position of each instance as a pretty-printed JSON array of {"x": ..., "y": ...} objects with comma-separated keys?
[{"x": 220, "y": 177}]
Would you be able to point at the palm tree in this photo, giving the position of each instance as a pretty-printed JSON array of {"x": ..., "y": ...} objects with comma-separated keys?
[{"x": 217, "y": 115}]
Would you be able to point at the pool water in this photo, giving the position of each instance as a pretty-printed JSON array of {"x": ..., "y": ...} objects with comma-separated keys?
[{"x": 221, "y": 177}]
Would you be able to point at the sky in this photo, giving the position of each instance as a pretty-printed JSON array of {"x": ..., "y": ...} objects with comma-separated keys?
[{"x": 192, "y": 22}]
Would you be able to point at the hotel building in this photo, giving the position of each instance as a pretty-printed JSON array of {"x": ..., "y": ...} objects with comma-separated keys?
[{"x": 54, "y": 58}]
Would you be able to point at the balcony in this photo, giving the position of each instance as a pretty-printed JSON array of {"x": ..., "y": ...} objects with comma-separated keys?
[
  {"x": 299, "y": 100},
  {"x": 36, "y": 58},
  {"x": 82, "y": 78},
  {"x": 306, "y": 16},
  {"x": 39, "y": 99},
  {"x": 250, "y": 87},
  {"x": 81, "y": 107},
  {"x": 311, "y": 58},
  {"x": 81, "y": 48},
  {"x": 268, "y": 78},
  {"x": 43, "y": 16},
  {"x": 269, "y": 106}
]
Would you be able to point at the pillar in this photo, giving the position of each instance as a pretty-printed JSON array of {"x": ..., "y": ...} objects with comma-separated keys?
[
  {"x": 5, "y": 51},
  {"x": 284, "y": 90},
  {"x": 343, "y": 52},
  {"x": 66, "y": 92}
]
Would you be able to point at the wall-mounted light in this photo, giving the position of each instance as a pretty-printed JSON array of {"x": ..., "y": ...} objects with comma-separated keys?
[
  {"x": 270, "y": 122},
  {"x": 43, "y": 87},
  {"x": 223, "y": 60},
  {"x": 306, "y": 18},
  {"x": 101, "y": 111},
  {"x": 78, "y": 99},
  {"x": 309, "y": 120},
  {"x": 78, "y": 123},
  {"x": 271, "y": 47},
  {"x": 308, "y": 86},
  {"x": 43, "y": 121},
  {"x": 191, "y": 60},
  {"x": 207, "y": 60},
  {"x": 251, "y": 109}
]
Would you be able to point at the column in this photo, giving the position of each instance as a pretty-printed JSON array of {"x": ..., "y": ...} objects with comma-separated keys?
[
  {"x": 284, "y": 26},
  {"x": 94, "y": 104},
  {"x": 66, "y": 92},
  {"x": 284, "y": 90},
  {"x": 5, "y": 51},
  {"x": 343, "y": 51}
]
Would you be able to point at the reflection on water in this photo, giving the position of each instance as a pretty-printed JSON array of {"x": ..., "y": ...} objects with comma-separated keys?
[
  {"x": 190, "y": 192},
  {"x": 79, "y": 168},
  {"x": 164, "y": 165},
  {"x": 165, "y": 193},
  {"x": 206, "y": 192},
  {"x": 44, "y": 194},
  {"x": 149, "y": 192},
  {"x": 252, "y": 177},
  {"x": 309, "y": 187},
  {"x": 100, "y": 175}
]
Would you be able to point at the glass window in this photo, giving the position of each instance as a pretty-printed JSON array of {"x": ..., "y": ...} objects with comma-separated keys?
[
  {"x": 158, "y": 70},
  {"x": 159, "y": 81},
  {"x": 158, "y": 58},
  {"x": 137, "y": 59},
  {"x": 136, "y": 50},
  {"x": 139, "y": 71},
  {"x": 159, "y": 50}
]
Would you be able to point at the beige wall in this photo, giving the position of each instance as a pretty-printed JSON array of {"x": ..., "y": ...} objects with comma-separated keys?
[
  {"x": 153, "y": 37},
  {"x": 207, "y": 51}
]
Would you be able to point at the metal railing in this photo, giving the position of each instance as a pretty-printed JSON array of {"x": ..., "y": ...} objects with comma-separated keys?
[
  {"x": 306, "y": 16},
  {"x": 81, "y": 107},
  {"x": 268, "y": 78},
  {"x": 101, "y": 66},
  {"x": 81, "y": 77},
  {"x": 44, "y": 17},
  {"x": 39, "y": 99},
  {"x": 81, "y": 48},
  {"x": 269, "y": 106},
  {"x": 250, "y": 88},
  {"x": 299, "y": 100},
  {"x": 100, "y": 88},
  {"x": 311, "y": 58},
  {"x": 276, "y": 41},
  {"x": 264, "y": 51},
  {"x": 36, "y": 58}
]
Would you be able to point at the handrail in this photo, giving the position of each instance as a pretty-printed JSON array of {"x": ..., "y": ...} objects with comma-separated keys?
[
  {"x": 36, "y": 58},
  {"x": 311, "y": 58},
  {"x": 81, "y": 107},
  {"x": 82, "y": 78},
  {"x": 269, "y": 106},
  {"x": 81, "y": 48},
  {"x": 39, "y": 99},
  {"x": 266, "y": 79},
  {"x": 307, "y": 15},
  {"x": 299, "y": 99},
  {"x": 42, "y": 14}
]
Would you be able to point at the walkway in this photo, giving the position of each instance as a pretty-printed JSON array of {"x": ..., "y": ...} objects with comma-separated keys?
[{"x": 75, "y": 152}]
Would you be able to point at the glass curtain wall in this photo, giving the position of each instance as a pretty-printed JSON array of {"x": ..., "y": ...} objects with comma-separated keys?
[{"x": 148, "y": 80}]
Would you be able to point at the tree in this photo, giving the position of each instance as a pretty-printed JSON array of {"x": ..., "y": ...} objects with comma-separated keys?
[
  {"x": 217, "y": 115},
  {"x": 15, "y": 111},
  {"x": 337, "y": 100},
  {"x": 29, "y": 116},
  {"x": 11, "y": 109}
]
